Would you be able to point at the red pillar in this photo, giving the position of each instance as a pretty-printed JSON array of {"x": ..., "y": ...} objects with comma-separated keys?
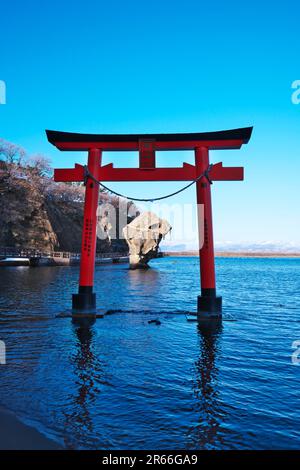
[
  {"x": 85, "y": 301},
  {"x": 208, "y": 303}
]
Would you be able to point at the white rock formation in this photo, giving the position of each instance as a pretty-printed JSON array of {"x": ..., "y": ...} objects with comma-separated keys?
[{"x": 143, "y": 236}]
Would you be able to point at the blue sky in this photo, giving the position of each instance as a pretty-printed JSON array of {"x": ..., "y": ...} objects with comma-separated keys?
[{"x": 168, "y": 66}]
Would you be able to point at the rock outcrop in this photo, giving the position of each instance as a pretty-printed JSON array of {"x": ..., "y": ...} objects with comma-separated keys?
[
  {"x": 143, "y": 236},
  {"x": 24, "y": 222}
]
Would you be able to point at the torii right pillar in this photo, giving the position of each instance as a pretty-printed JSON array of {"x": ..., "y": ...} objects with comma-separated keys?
[{"x": 209, "y": 304}]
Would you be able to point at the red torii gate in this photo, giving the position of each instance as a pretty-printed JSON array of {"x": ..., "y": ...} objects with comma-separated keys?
[{"x": 209, "y": 304}]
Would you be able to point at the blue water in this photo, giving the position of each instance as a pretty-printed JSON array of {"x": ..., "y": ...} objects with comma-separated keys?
[{"x": 127, "y": 384}]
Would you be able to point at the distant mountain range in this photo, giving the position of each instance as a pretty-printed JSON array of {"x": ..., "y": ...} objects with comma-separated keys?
[{"x": 257, "y": 247}]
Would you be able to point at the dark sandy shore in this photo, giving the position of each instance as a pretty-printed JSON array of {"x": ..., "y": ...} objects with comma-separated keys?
[{"x": 14, "y": 435}]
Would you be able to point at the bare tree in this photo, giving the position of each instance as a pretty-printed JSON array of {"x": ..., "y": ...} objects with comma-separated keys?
[
  {"x": 40, "y": 164},
  {"x": 12, "y": 153},
  {"x": 64, "y": 192}
]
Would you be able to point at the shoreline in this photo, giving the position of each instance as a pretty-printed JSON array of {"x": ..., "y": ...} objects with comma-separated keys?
[
  {"x": 15, "y": 435},
  {"x": 233, "y": 254}
]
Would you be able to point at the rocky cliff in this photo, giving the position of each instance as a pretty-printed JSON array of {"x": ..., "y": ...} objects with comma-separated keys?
[{"x": 37, "y": 213}]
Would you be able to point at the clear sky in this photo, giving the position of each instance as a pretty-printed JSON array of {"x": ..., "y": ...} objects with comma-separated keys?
[{"x": 165, "y": 66}]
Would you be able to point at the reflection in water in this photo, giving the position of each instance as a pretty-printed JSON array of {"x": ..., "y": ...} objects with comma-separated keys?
[
  {"x": 206, "y": 388},
  {"x": 149, "y": 278},
  {"x": 142, "y": 284},
  {"x": 87, "y": 373}
]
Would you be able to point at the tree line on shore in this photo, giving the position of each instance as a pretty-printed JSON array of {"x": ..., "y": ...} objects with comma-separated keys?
[{"x": 16, "y": 164}]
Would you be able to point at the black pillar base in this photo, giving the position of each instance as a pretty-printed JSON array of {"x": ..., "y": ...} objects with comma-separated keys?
[
  {"x": 84, "y": 303},
  {"x": 209, "y": 304}
]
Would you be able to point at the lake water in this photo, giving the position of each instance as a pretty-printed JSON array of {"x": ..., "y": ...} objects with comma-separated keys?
[{"x": 126, "y": 384}]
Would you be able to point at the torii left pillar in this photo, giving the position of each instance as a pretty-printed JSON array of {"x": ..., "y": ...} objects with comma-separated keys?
[{"x": 84, "y": 303}]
